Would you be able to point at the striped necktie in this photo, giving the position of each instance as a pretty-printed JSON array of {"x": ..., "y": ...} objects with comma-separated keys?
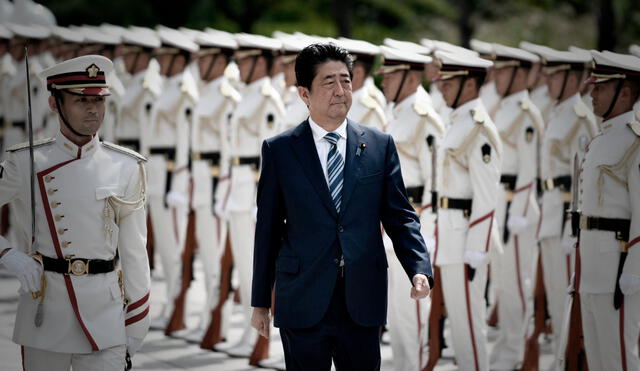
[{"x": 335, "y": 167}]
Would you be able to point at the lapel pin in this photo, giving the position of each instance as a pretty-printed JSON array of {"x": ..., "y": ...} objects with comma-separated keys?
[{"x": 361, "y": 148}]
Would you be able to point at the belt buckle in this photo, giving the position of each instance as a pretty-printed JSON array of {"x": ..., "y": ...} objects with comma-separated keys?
[
  {"x": 77, "y": 267},
  {"x": 584, "y": 222},
  {"x": 170, "y": 165},
  {"x": 549, "y": 184},
  {"x": 444, "y": 202},
  {"x": 235, "y": 161},
  {"x": 197, "y": 156},
  {"x": 215, "y": 171},
  {"x": 509, "y": 195}
]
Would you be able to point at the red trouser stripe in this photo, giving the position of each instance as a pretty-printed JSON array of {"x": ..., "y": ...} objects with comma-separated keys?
[{"x": 470, "y": 319}]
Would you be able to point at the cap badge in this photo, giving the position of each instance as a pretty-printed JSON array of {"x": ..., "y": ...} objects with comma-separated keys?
[{"x": 92, "y": 71}]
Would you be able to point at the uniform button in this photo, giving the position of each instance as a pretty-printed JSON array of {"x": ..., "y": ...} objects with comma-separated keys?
[
  {"x": 48, "y": 178},
  {"x": 51, "y": 191},
  {"x": 65, "y": 244},
  {"x": 58, "y": 217},
  {"x": 62, "y": 230},
  {"x": 340, "y": 229},
  {"x": 55, "y": 204},
  {"x": 337, "y": 261}
]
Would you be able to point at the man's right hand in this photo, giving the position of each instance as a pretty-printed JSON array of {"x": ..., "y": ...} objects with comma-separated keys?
[
  {"x": 24, "y": 268},
  {"x": 261, "y": 321}
]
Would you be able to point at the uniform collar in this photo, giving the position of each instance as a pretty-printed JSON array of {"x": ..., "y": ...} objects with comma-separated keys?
[
  {"x": 257, "y": 85},
  {"x": 619, "y": 120},
  {"x": 75, "y": 151},
  {"x": 515, "y": 98},
  {"x": 406, "y": 103},
  {"x": 463, "y": 109},
  {"x": 319, "y": 132}
]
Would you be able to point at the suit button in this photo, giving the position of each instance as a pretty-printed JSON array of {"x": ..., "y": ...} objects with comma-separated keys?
[
  {"x": 336, "y": 260},
  {"x": 340, "y": 229}
]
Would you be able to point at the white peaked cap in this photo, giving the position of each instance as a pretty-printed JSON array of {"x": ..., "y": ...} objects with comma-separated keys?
[
  {"x": 176, "y": 39},
  {"x": 84, "y": 75},
  {"x": 407, "y": 45},
  {"x": 358, "y": 47},
  {"x": 503, "y": 51}
]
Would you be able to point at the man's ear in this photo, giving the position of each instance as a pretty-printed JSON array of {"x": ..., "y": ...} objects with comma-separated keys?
[
  {"x": 304, "y": 95},
  {"x": 52, "y": 104}
]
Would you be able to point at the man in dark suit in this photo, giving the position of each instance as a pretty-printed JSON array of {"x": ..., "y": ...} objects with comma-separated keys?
[{"x": 325, "y": 187}]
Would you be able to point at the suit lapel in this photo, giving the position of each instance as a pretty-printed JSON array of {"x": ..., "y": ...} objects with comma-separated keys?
[
  {"x": 352, "y": 162},
  {"x": 305, "y": 150}
]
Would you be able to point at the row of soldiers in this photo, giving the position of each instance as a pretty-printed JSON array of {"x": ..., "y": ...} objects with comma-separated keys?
[{"x": 487, "y": 155}]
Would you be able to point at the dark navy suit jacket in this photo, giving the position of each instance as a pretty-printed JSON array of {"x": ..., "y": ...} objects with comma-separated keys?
[{"x": 300, "y": 236}]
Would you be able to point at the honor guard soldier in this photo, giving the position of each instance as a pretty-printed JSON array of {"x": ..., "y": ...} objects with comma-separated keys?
[
  {"x": 608, "y": 264},
  {"x": 366, "y": 108},
  {"x": 166, "y": 140},
  {"x": 143, "y": 87},
  {"x": 68, "y": 43},
  {"x": 570, "y": 128},
  {"x": 84, "y": 296},
  {"x": 7, "y": 71},
  {"x": 296, "y": 110},
  {"x": 258, "y": 116},
  {"x": 468, "y": 181},
  {"x": 488, "y": 93},
  {"x": 585, "y": 87},
  {"x": 416, "y": 130},
  {"x": 520, "y": 126},
  {"x": 538, "y": 88},
  {"x": 209, "y": 150}
]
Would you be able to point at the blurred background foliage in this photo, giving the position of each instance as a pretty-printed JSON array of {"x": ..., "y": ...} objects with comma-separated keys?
[{"x": 601, "y": 24}]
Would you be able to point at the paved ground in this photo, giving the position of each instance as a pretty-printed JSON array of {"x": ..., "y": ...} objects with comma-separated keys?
[{"x": 164, "y": 353}]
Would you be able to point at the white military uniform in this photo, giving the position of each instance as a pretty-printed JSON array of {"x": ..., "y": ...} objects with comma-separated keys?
[
  {"x": 366, "y": 110},
  {"x": 610, "y": 189},
  {"x": 167, "y": 141},
  {"x": 571, "y": 127},
  {"x": 296, "y": 109},
  {"x": 490, "y": 97},
  {"x": 416, "y": 129},
  {"x": 541, "y": 99},
  {"x": 520, "y": 125},
  {"x": 89, "y": 205},
  {"x": 210, "y": 149}
]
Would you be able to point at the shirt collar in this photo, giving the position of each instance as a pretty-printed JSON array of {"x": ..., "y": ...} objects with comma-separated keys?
[
  {"x": 621, "y": 119},
  {"x": 463, "y": 109},
  {"x": 406, "y": 102},
  {"x": 569, "y": 102},
  {"x": 75, "y": 151},
  {"x": 515, "y": 97},
  {"x": 319, "y": 132}
]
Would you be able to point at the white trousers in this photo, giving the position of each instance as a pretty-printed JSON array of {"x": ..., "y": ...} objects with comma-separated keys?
[
  {"x": 242, "y": 229},
  {"x": 110, "y": 359},
  {"x": 556, "y": 267},
  {"x": 466, "y": 313},
  {"x": 514, "y": 283},
  {"x": 169, "y": 232},
  {"x": 208, "y": 235},
  {"x": 611, "y": 336}
]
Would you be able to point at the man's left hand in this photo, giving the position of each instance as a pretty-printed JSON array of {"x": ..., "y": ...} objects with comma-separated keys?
[{"x": 420, "y": 287}]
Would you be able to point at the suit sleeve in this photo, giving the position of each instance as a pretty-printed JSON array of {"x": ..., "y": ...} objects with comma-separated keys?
[
  {"x": 400, "y": 221},
  {"x": 132, "y": 249},
  {"x": 269, "y": 230}
]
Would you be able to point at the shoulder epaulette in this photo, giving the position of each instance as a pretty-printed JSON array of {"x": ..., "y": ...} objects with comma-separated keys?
[
  {"x": 478, "y": 117},
  {"x": 421, "y": 108},
  {"x": 635, "y": 127},
  {"x": 269, "y": 91},
  {"x": 581, "y": 110},
  {"x": 189, "y": 86},
  {"x": 229, "y": 92},
  {"x": 368, "y": 101},
  {"x": 25, "y": 145},
  {"x": 124, "y": 150}
]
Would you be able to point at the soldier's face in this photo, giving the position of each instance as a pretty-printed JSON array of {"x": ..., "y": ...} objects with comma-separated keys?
[
  {"x": 330, "y": 95},
  {"x": 503, "y": 78},
  {"x": 83, "y": 113},
  {"x": 391, "y": 84},
  {"x": 449, "y": 89}
]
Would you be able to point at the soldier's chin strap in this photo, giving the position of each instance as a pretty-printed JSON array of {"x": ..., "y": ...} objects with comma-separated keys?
[
  {"x": 404, "y": 77},
  {"x": 253, "y": 68},
  {"x": 615, "y": 98},
  {"x": 463, "y": 80},
  {"x": 513, "y": 77},
  {"x": 58, "y": 97},
  {"x": 564, "y": 83}
]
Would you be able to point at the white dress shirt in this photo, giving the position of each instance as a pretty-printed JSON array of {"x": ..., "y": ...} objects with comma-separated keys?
[{"x": 323, "y": 146}]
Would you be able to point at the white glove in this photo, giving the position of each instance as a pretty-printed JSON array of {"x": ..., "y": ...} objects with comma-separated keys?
[
  {"x": 568, "y": 244},
  {"x": 254, "y": 213},
  {"x": 133, "y": 345},
  {"x": 24, "y": 268},
  {"x": 431, "y": 244},
  {"x": 474, "y": 258},
  {"x": 517, "y": 224},
  {"x": 220, "y": 210},
  {"x": 177, "y": 199},
  {"x": 629, "y": 283}
]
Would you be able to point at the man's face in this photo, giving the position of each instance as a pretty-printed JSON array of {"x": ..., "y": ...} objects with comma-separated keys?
[
  {"x": 83, "y": 113},
  {"x": 555, "y": 82},
  {"x": 245, "y": 65},
  {"x": 602, "y": 95},
  {"x": 449, "y": 89},
  {"x": 330, "y": 95},
  {"x": 503, "y": 78},
  {"x": 391, "y": 84}
]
